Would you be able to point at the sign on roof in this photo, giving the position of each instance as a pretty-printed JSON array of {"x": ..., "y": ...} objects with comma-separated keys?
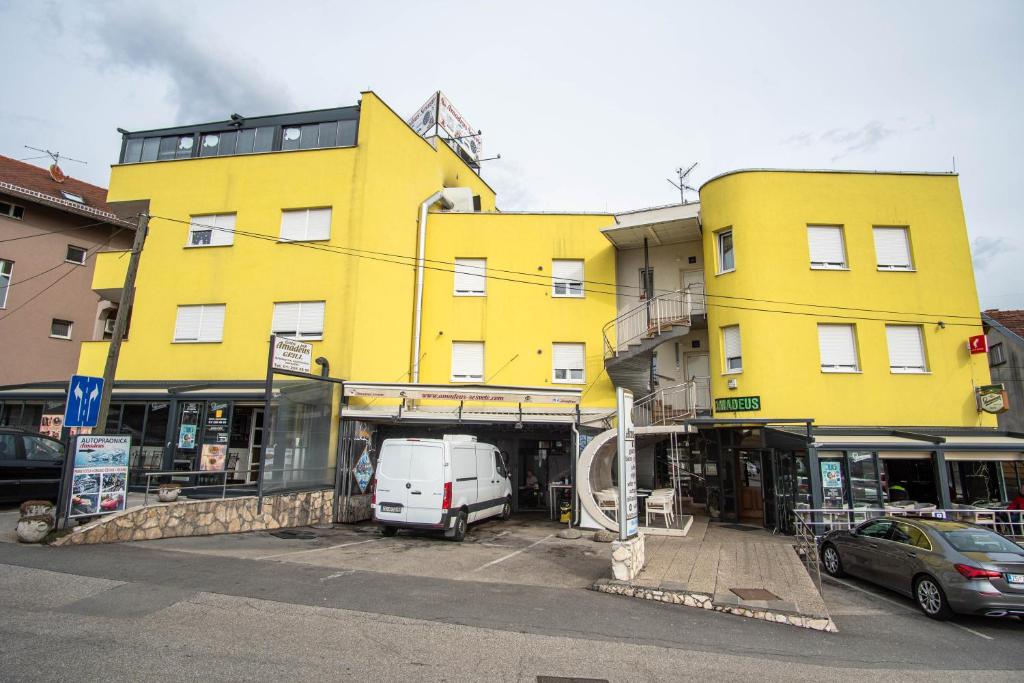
[
  {"x": 443, "y": 393},
  {"x": 438, "y": 116}
]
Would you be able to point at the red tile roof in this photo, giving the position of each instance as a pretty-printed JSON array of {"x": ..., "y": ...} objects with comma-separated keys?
[
  {"x": 38, "y": 180},
  {"x": 1013, "y": 320}
]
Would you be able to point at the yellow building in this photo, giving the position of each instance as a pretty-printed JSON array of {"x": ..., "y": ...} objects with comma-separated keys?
[{"x": 791, "y": 326}]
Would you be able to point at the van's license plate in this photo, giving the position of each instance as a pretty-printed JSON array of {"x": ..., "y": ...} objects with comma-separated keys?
[
  {"x": 1015, "y": 578},
  {"x": 390, "y": 507}
]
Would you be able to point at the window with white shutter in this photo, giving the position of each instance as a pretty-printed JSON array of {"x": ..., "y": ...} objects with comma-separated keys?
[
  {"x": 212, "y": 230},
  {"x": 203, "y": 323},
  {"x": 567, "y": 277},
  {"x": 299, "y": 320},
  {"x": 467, "y": 361},
  {"x": 838, "y": 347},
  {"x": 892, "y": 249},
  {"x": 906, "y": 348},
  {"x": 306, "y": 225},
  {"x": 568, "y": 363},
  {"x": 470, "y": 277},
  {"x": 826, "y": 247},
  {"x": 732, "y": 348}
]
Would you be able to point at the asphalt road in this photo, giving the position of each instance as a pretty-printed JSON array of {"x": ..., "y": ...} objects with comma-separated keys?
[{"x": 121, "y": 612}]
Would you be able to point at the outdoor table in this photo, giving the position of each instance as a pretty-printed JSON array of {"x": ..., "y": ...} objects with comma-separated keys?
[{"x": 553, "y": 498}]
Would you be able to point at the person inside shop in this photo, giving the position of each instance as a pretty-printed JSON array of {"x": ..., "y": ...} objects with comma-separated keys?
[
  {"x": 531, "y": 488},
  {"x": 1018, "y": 502}
]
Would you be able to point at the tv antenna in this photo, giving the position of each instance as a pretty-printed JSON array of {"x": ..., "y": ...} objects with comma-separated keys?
[
  {"x": 55, "y": 171},
  {"x": 682, "y": 185}
]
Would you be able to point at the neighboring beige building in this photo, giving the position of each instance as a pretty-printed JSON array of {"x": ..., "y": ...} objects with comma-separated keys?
[{"x": 49, "y": 231}]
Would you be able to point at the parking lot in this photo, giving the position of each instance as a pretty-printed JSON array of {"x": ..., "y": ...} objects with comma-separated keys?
[{"x": 522, "y": 550}]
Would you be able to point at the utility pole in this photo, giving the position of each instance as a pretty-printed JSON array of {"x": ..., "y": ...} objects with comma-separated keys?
[{"x": 121, "y": 322}]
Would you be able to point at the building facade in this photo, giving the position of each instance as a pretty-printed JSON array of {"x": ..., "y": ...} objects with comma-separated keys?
[
  {"x": 51, "y": 229},
  {"x": 1005, "y": 333}
]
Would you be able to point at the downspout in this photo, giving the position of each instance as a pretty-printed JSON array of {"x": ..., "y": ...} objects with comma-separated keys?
[{"x": 421, "y": 246}]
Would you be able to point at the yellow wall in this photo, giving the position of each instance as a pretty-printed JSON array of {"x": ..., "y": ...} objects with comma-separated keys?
[
  {"x": 374, "y": 190},
  {"x": 769, "y": 213},
  {"x": 516, "y": 321}
]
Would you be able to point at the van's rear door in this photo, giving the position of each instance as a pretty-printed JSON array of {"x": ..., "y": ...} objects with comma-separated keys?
[
  {"x": 426, "y": 480},
  {"x": 392, "y": 477}
]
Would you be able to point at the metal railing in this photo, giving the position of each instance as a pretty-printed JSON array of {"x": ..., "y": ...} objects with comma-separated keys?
[
  {"x": 807, "y": 549},
  {"x": 223, "y": 485},
  {"x": 664, "y": 406},
  {"x": 650, "y": 318},
  {"x": 820, "y": 521}
]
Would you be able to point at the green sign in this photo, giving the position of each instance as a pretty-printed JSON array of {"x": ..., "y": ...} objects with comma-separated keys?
[{"x": 736, "y": 404}]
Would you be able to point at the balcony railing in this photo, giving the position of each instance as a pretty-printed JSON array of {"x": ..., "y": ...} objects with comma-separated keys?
[
  {"x": 650, "y": 318},
  {"x": 666, "y": 406}
]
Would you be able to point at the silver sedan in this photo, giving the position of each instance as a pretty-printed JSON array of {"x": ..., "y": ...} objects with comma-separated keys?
[{"x": 947, "y": 567}]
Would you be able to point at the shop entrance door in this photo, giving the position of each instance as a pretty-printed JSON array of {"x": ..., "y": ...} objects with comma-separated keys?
[
  {"x": 730, "y": 511},
  {"x": 750, "y": 485}
]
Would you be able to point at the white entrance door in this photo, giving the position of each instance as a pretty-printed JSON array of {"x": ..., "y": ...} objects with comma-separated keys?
[
  {"x": 698, "y": 368},
  {"x": 694, "y": 279}
]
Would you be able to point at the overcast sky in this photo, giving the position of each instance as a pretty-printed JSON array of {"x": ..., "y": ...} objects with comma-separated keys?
[{"x": 590, "y": 104}]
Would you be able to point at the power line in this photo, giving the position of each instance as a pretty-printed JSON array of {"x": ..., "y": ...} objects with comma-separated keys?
[
  {"x": 54, "y": 283},
  {"x": 551, "y": 278},
  {"x": 356, "y": 253},
  {"x": 57, "y": 232}
]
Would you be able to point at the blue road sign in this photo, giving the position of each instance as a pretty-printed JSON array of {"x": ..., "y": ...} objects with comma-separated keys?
[{"x": 83, "y": 401}]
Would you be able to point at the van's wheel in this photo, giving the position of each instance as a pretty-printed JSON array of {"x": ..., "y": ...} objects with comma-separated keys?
[
  {"x": 459, "y": 531},
  {"x": 388, "y": 530},
  {"x": 506, "y": 509},
  {"x": 930, "y": 598}
]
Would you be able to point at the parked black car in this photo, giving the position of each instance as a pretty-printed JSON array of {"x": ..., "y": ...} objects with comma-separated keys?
[
  {"x": 946, "y": 567},
  {"x": 30, "y": 466}
]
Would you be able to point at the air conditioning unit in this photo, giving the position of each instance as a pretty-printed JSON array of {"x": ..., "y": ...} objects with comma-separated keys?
[
  {"x": 459, "y": 438},
  {"x": 460, "y": 197},
  {"x": 108, "y": 326}
]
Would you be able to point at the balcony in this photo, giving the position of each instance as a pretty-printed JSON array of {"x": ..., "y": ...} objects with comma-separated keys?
[{"x": 109, "y": 273}]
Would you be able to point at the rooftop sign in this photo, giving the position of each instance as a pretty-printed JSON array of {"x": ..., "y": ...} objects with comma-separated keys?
[{"x": 438, "y": 116}]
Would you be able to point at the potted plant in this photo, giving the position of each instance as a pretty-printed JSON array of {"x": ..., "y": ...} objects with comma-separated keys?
[
  {"x": 168, "y": 492},
  {"x": 36, "y": 521}
]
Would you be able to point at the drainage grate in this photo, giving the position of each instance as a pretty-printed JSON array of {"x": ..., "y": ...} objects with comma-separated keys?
[
  {"x": 740, "y": 527},
  {"x": 563, "y": 679},
  {"x": 754, "y": 594}
]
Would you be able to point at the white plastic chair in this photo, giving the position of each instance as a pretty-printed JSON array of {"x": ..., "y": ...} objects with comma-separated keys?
[
  {"x": 608, "y": 502},
  {"x": 658, "y": 505}
]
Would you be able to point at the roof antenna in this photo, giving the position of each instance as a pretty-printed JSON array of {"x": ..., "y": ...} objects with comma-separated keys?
[
  {"x": 55, "y": 171},
  {"x": 682, "y": 185}
]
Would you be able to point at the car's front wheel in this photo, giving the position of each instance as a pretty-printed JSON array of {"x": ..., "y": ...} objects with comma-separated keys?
[
  {"x": 930, "y": 598},
  {"x": 832, "y": 562}
]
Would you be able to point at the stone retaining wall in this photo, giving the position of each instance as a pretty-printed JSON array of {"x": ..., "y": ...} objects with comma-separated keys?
[
  {"x": 206, "y": 517},
  {"x": 357, "y": 510},
  {"x": 704, "y": 601},
  {"x": 628, "y": 558}
]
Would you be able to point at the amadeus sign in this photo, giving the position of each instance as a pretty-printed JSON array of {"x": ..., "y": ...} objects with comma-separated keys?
[
  {"x": 737, "y": 404},
  {"x": 292, "y": 355}
]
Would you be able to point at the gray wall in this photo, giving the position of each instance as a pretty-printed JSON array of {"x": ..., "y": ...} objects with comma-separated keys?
[{"x": 1011, "y": 375}]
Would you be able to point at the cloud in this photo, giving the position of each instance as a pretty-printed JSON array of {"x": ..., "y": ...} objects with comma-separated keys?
[
  {"x": 864, "y": 139},
  {"x": 985, "y": 249},
  {"x": 208, "y": 82}
]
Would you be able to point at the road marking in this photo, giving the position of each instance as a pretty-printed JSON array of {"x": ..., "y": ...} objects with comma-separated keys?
[
  {"x": 313, "y": 550},
  {"x": 510, "y": 555},
  {"x": 901, "y": 605},
  {"x": 338, "y": 574}
]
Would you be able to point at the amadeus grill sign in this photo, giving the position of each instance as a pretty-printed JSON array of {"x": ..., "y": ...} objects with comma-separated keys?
[{"x": 438, "y": 116}]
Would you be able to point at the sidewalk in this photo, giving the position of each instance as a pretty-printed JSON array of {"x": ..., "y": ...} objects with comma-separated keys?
[{"x": 728, "y": 568}]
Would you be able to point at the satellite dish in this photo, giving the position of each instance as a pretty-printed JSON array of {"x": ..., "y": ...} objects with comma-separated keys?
[{"x": 57, "y": 174}]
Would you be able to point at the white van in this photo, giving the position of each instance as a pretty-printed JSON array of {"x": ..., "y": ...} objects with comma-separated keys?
[{"x": 442, "y": 484}]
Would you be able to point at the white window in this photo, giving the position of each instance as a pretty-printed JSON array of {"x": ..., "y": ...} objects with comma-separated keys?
[
  {"x": 212, "y": 230},
  {"x": 467, "y": 361},
  {"x": 838, "y": 347},
  {"x": 470, "y": 277},
  {"x": 60, "y": 329},
  {"x": 567, "y": 277},
  {"x": 892, "y": 249},
  {"x": 299, "y": 320},
  {"x": 568, "y": 363},
  {"x": 306, "y": 225},
  {"x": 73, "y": 196},
  {"x": 12, "y": 211},
  {"x": 200, "y": 323},
  {"x": 826, "y": 247},
  {"x": 906, "y": 348},
  {"x": 75, "y": 255},
  {"x": 726, "y": 255},
  {"x": 6, "y": 271},
  {"x": 732, "y": 348}
]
